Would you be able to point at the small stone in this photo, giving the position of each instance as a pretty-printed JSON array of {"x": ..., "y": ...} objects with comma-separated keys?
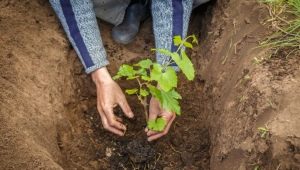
[
  {"x": 247, "y": 21},
  {"x": 108, "y": 152}
]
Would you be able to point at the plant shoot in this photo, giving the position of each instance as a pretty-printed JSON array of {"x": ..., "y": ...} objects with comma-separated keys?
[{"x": 160, "y": 80}]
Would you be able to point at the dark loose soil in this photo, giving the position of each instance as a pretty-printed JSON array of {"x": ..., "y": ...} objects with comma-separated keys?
[{"x": 48, "y": 116}]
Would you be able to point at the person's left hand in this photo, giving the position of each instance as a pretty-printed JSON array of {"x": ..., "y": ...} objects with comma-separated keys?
[{"x": 155, "y": 111}]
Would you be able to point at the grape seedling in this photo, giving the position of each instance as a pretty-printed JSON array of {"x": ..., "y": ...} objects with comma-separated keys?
[{"x": 160, "y": 80}]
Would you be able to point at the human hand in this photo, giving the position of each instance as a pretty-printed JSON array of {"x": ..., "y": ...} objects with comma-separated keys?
[
  {"x": 155, "y": 111},
  {"x": 109, "y": 95}
]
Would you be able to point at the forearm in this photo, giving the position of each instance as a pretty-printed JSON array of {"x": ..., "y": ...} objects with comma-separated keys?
[
  {"x": 170, "y": 18},
  {"x": 80, "y": 24}
]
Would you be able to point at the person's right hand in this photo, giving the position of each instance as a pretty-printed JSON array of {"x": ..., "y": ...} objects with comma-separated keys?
[
  {"x": 155, "y": 111},
  {"x": 109, "y": 95}
]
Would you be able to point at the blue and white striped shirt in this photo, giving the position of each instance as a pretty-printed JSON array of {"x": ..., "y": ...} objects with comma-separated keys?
[{"x": 170, "y": 18}]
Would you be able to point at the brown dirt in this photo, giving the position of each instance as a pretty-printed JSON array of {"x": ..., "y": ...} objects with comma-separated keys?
[{"x": 48, "y": 118}]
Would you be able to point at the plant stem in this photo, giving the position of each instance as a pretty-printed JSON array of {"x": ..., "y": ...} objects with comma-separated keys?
[
  {"x": 145, "y": 108},
  {"x": 143, "y": 100},
  {"x": 138, "y": 80}
]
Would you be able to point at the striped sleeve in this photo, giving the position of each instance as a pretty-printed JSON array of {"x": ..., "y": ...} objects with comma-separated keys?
[
  {"x": 80, "y": 24},
  {"x": 170, "y": 18}
]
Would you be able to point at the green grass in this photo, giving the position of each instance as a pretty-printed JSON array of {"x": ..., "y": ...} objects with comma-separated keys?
[{"x": 285, "y": 19}]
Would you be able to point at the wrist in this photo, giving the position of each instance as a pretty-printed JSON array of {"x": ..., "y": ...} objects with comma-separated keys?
[{"x": 101, "y": 75}]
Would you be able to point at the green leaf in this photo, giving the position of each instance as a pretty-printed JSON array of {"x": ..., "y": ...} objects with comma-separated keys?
[
  {"x": 262, "y": 129},
  {"x": 169, "y": 101},
  {"x": 144, "y": 92},
  {"x": 131, "y": 78},
  {"x": 116, "y": 77},
  {"x": 146, "y": 78},
  {"x": 163, "y": 51},
  {"x": 188, "y": 45},
  {"x": 156, "y": 72},
  {"x": 263, "y": 132},
  {"x": 183, "y": 62},
  {"x": 155, "y": 92},
  {"x": 126, "y": 71},
  {"x": 195, "y": 40},
  {"x": 166, "y": 79},
  {"x": 175, "y": 94},
  {"x": 131, "y": 91},
  {"x": 157, "y": 125},
  {"x": 176, "y": 58},
  {"x": 177, "y": 40},
  {"x": 144, "y": 63},
  {"x": 186, "y": 66},
  {"x": 142, "y": 71}
]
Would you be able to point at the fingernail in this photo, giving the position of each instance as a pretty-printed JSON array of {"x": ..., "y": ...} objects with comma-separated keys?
[{"x": 131, "y": 115}]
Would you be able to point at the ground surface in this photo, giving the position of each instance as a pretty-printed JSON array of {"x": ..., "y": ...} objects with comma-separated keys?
[{"x": 48, "y": 118}]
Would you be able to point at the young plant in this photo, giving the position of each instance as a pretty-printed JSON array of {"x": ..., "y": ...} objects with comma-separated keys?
[
  {"x": 263, "y": 131},
  {"x": 160, "y": 80}
]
